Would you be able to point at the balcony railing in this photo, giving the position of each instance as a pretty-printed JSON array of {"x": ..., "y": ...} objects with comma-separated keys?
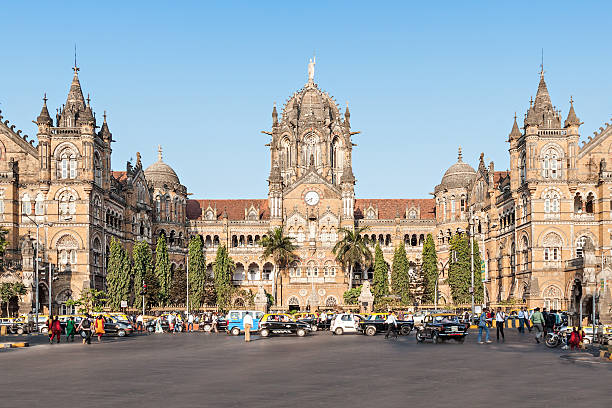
[{"x": 575, "y": 263}]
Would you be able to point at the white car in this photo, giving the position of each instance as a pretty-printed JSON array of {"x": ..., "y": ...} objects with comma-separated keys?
[{"x": 345, "y": 323}]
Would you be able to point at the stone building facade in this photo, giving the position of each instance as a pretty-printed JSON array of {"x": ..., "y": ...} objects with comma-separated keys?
[{"x": 545, "y": 225}]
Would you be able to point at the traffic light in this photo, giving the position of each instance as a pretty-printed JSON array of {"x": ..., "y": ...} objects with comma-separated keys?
[{"x": 144, "y": 288}]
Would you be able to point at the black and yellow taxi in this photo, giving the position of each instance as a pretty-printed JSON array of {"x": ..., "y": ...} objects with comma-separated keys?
[
  {"x": 442, "y": 326},
  {"x": 281, "y": 323},
  {"x": 375, "y": 323}
]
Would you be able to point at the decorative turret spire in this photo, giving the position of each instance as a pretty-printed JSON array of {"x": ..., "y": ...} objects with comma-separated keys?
[
  {"x": 159, "y": 153},
  {"x": 347, "y": 115},
  {"x": 572, "y": 119},
  {"x": 104, "y": 131},
  {"x": 274, "y": 115},
  {"x": 459, "y": 156},
  {"x": 347, "y": 175},
  {"x": 515, "y": 133},
  {"x": 44, "y": 117}
]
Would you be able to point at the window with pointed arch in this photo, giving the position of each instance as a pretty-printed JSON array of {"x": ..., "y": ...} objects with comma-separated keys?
[
  {"x": 285, "y": 153},
  {"x": 26, "y": 204},
  {"x": 523, "y": 168},
  {"x": 551, "y": 202},
  {"x": 67, "y": 205},
  {"x": 1, "y": 205},
  {"x": 550, "y": 164},
  {"x": 97, "y": 169},
  {"x": 39, "y": 204},
  {"x": 552, "y": 247},
  {"x": 67, "y": 164}
]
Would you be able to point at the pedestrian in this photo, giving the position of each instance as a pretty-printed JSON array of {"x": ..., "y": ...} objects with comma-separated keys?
[
  {"x": 537, "y": 319},
  {"x": 49, "y": 324},
  {"x": 140, "y": 323},
  {"x": 483, "y": 326},
  {"x": 247, "y": 321},
  {"x": 500, "y": 321},
  {"x": 575, "y": 338},
  {"x": 56, "y": 329},
  {"x": 70, "y": 330},
  {"x": 322, "y": 319},
  {"x": 490, "y": 318},
  {"x": 215, "y": 322},
  {"x": 85, "y": 328},
  {"x": 99, "y": 327},
  {"x": 551, "y": 321},
  {"x": 190, "y": 319},
  {"x": 158, "y": 325},
  {"x": 170, "y": 319},
  {"x": 545, "y": 322},
  {"x": 391, "y": 323},
  {"x": 521, "y": 319}
]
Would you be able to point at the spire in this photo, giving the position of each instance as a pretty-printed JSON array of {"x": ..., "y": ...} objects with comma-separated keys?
[
  {"x": 542, "y": 113},
  {"x": 515, "y": 133},
  {"x": 572, "y": 119},
  {"x": 459, "y": 156},
  {"x": 274, "y": 115},
  {"x": 44, "y": 117},
  {"x": 159, "y": 153},
  {"x": 347, "y": 175},
  {"x": 347, "y": 115},
  {"x": 104, "y": 131},
  {"x": 75, "y": 103}
]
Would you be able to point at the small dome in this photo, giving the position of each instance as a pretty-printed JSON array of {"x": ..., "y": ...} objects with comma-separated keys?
[
  {"x": 160, "y": 173},
  {"x": 459, "y": 175}
]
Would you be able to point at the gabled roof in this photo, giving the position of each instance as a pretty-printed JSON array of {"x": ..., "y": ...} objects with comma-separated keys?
[
  {"x": 388, "y": 208},
  {"x": 233, "y": 208}
]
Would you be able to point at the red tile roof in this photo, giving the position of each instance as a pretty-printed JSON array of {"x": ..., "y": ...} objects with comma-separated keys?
[
  {"x": 120, "y": 176},
  {"x": 499, "y": 176},
  {"x": 234, "y": 208},
  {"x": 389, "y": 207}
]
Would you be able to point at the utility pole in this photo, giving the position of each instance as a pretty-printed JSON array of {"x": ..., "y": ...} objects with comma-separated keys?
[
  {"x": 144, "y": 291},
  {"x": 472, "y": 256},
  {"x": 187, "y": 281},
  {"x": 36, "y": 268}
]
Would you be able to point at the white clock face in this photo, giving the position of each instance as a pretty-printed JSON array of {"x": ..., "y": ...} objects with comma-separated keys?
[{"x": 311, "y": 198}]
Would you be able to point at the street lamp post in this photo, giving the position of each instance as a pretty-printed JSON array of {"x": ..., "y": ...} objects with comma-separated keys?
[
  {"x": 36, "y": 303},
  {"x": 444, "y": 264},
  {"x": 187, "y": 262},
  {"x": 472, "y": 256}
]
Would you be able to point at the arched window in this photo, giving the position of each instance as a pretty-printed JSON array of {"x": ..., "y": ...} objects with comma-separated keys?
[
  {"x": 452, "y": 204},
  {"x": 167, "y": 208},
  {"x": 26, "y": 204},
  {"x": 158, "y": 207},
  {"x": 523, "y": 168},
  {"x": 333, "y": 236},
  {"x": 550, "y": 164},
  {"x": 336, "y": 153},
  {"x": 97, "y": 169},
  {"x": 551, "y": 202},
  {"x": 39, "y": 206},
  {"x": 67, "y": 205},
  {"x": 300, "y": 235},
  {"x": 578, "y": 203},
  {"x": 552, "y": 247},
  {"x": 97, "y": 251},
  {"x": 311, "y": 150},
  {"x": 588, "y": 207},
  {"x": 1, "y": 205},
  {"x": 285, "y": 153}
]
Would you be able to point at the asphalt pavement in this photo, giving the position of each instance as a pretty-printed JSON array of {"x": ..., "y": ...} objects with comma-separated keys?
[{"x": 320, "y": 370}]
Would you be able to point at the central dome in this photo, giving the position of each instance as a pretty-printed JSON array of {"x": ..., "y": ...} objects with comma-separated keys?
[
  {"x": 160, "y": 173},
  {"x": 459, "y": 175},
  {"x": 310, "y": 101}
]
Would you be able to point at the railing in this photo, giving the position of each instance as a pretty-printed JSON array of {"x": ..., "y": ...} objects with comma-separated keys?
[{"x": 575, "y": 263}]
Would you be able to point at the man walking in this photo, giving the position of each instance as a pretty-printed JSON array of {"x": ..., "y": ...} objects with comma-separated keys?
[
  {"x": 190, "y": 322},
  {"x": 70, "y": 330},
  {"x": 139, "y": 323},
  {"x": 482, "y": 325},
  {"x": 391, "y": 323},
  {"x": 523, "y": 317},
  {"x": 500, "y": 320},
  {"x": 85, "y": 326},
  {"x": 215, "y": 322},
  {"x": 247, "y": 320},
  {"x": 538, "y": 323}
]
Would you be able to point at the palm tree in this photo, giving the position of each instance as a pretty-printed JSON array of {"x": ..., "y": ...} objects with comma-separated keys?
[
  {"x": 281, "y": 249},
  {"x": 352, "y": 249}
]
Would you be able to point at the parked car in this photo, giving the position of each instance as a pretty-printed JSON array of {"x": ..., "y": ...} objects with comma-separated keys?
[
  {"x": 235, "y": 323},
  {"x": 375, "y": 323},
  {"x": 345, "y": 323},
  {"x": 13, "y": 326},
  {"x": 440, "y": 327},
  {"x": 112, "y": 328},
  {"x": 280, "y": 323},
  {"x": 206, "y": 325}
]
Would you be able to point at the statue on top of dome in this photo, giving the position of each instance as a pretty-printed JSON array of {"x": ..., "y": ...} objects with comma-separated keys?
[{"x": 311, "y": 69}]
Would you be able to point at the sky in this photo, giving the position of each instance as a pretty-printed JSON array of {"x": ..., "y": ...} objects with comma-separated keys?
[{"x": 200, "y": 79}]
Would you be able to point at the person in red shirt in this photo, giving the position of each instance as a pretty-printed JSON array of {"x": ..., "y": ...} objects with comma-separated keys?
[
  {"x": 56, "y": 329},
  {"x": 575, "y": 338}
]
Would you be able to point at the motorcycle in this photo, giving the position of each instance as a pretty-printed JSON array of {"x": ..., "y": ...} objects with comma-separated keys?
[{"x": 556, "y": 338}]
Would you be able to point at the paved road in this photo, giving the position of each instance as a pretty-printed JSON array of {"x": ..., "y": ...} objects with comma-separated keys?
[{"x": 321, "y": 370}]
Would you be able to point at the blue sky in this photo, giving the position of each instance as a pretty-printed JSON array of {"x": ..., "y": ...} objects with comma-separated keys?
[{"x": 200, "y": 79}]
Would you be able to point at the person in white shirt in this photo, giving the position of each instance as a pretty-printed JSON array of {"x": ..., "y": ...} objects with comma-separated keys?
[
  {"x": 247, "y": 321},
  {"x": 500, "y": 320},
  {"x": 139, "y": 323},
  {"x": 215, "y": 322},
  {"x": 391, "y": 323},
  {"x": 190, "y": 322}
]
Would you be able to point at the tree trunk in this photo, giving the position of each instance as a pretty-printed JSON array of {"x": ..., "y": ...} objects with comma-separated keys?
[
  {"x": 351, "y": 277},
  {"x": 274, "y": 283}
]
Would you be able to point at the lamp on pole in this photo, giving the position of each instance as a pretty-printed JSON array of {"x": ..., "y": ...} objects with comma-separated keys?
[
  {"x": 187, "y": 270},
  {"x": 472, "y": 256},
  {"x": 36, "y": 305},
  {"x": 444, "y": 265}
]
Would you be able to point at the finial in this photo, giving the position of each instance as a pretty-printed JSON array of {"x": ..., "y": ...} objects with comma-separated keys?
[
  {"x": 311, "y": 69},
  {"x": 76, "y": 68},
  {"x": 571, "y": 100},
  {"x": 138, "y": 162},
  {"x": 515, "y": 116},
  {"x": 460, "y": 156},
  {"x": 45, "y": 99},
  {"x": 531, "y": 101},
  {"x": 88, "y": 99},
  {"x": 542, "y": 65},
  {"x": 159, "y": 152},
  {"x": 104, "y": 116}
]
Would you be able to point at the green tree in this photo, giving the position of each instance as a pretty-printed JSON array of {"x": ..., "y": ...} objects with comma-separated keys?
[
  {"x": 429, "y": 270},
  {"x": 198, "y": 279},
  {"x": 10, "y": 291},
  {"x": 281, "y": 249},
  {"x": 143, "y": 273},
  {"x": 3, "y": 242},
  {"x": 351, "y": 296},
  {"x": 400, "y": 280},
  {"x": 163, "y": 273},
  {"x": 459, "y": 272},
  {"x": 381, "y": 275},
  {"x": 223, "y": 268},
  {"x": 89, "y": 301},
  {"x": 353, "y": 249},
  {"x": 178, "y": 287},
  {"x": 118, "y": 278}
]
